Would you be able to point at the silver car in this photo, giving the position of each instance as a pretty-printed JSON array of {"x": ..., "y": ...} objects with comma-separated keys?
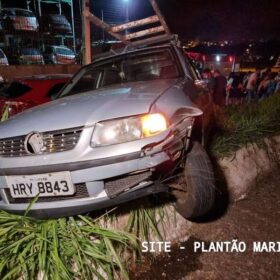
[
  {"x": 30, "y": 56},
  {"x": 126, "y": 126},
  {"x": 59, "y": 55}
]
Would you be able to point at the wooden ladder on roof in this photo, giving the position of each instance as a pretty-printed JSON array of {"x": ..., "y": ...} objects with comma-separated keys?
[{"x": 142, "y": 36}]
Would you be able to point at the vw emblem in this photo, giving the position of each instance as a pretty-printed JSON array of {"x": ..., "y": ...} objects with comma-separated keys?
[{"x": 34, "y": 143}]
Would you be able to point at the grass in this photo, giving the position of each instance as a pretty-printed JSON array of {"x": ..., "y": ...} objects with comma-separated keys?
[
  {"x": 72, "y": 248},
  {"x": 249, "y": 123},
  {"x": 145, "y": 220}
]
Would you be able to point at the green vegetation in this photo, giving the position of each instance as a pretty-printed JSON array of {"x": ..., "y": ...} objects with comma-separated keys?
[
  {"x": 72, "y": 248},
  {"x": 248, "y": 123},
  {"x": 144, "y": 222}
]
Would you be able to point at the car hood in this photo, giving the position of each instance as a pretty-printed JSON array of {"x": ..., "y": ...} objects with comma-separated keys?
[{"x": 86, "y": 109}]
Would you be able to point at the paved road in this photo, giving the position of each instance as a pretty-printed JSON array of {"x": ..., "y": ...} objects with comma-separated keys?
[{"x": 256, "y": 218}]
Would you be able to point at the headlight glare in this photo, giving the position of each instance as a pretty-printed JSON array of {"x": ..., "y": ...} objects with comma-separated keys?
[
  {"x": 153, "y": 124},
  {"x": 127, "y": 129},
  {"x": 116, "y": 131}
]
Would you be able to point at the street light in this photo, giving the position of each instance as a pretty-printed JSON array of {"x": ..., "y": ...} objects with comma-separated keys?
[{"x": 126, "y": 2}]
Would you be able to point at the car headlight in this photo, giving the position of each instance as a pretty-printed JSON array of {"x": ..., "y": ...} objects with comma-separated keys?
[{"x": 127, "y": 129}]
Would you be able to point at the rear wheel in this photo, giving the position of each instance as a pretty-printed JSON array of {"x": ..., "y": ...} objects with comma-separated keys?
[{"x": 198, "y": 184}]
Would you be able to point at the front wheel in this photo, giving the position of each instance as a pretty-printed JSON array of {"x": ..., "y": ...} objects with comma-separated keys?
[{"x": 198, "y": 195}]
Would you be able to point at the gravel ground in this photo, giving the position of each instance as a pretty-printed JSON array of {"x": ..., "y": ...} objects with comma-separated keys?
[{"x": 255, "y": 218}]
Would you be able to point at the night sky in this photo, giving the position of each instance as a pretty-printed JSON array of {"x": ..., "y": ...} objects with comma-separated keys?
[
  {"x": 203, "y": 19},
  {"x": 223, "y": 19}
]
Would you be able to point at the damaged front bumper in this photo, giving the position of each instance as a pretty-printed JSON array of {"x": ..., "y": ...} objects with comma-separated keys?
[
  {"x": 94, "y": 190},
  {"x": 100, "y": 183}
]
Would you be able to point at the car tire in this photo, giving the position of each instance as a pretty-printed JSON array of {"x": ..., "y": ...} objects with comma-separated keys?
[{"x": 198, "y": 195}]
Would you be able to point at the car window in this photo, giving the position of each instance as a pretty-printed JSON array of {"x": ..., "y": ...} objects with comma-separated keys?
[
  {"x": 23, "y": 13},
  {"x": 158, "y": 65},
  {"x": 142, "y": 66},
  {"x": 64, "y": 51},
  {"x": 7, "y": 13},
  {"x": 55, "y": 89},
  {"x": 88, "y": 81},
  {"x": 190, "y": 68},
  {"x": 195, "y": 68},
  {"x": 58, "y": 19},
  {"x": 14, "y": 90},
  {"x": 30, "y": 52},
  {"x": 111, "y": 77}
]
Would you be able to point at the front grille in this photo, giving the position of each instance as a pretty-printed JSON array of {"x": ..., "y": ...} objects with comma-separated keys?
[
  {"x": 81, "y": 192},
  {"x": 54, "y": 141},
  {"x": 119, "y": 185}
]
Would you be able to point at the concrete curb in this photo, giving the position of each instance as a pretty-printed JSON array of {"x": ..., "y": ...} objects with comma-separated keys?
[{"x": 242, "y": 170}]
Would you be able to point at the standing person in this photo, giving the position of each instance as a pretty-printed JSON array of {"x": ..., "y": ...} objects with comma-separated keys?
[
  {"x": 220, "y": 84},
  {"x": 207, "y": 76},
  {"x": 234, "y": 89},
  {"x": 251, "y": 87},
  {"x": 267, "y": 86}
]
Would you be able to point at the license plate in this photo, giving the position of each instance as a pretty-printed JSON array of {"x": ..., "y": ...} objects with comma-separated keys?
[{"x": 51, "y": 184}]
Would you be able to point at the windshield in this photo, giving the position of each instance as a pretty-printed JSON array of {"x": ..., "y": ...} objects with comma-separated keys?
[
  {"x": 58, "y": 19},
  {"x": 30, "y": 52},
  {"x": 14, "y": 90},
  {"x": 24, "y": 13},
  {"x": 143, "y": 66},
  {"x": 7, "y": 13},
  {"x": 64, "y": 51}
]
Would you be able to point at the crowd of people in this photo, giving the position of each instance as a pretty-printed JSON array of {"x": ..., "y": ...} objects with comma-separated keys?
[{"x": 242, "y": 87}]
